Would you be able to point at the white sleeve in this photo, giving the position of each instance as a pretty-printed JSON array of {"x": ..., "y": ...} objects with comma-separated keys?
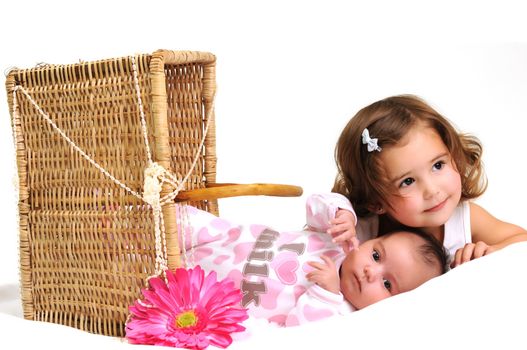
[
  {"x": 320, "y": 208},
  {"x": 315, "y": 304}
]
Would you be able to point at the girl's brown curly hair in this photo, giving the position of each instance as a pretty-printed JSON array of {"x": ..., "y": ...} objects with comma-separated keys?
[{"x": 360, "y": 173}]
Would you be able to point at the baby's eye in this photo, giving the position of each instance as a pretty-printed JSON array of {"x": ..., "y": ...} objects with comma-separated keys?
[
  {"x": 387, "y": 284},
  {"x": 376, "y": 256},
  {"x": 407, "y": 182},
  {"x": 439, "y": 165}
]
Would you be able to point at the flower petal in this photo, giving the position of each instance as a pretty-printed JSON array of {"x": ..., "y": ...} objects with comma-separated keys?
[{"x": 216, "y": 305}]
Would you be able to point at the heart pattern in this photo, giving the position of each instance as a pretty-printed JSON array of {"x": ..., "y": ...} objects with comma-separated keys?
[
  {"x": 226, "y": 248},
  {"x": 286, "y": 271}
]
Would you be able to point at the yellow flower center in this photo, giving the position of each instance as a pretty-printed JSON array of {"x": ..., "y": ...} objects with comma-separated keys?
[{"x": 186, "y": 319}]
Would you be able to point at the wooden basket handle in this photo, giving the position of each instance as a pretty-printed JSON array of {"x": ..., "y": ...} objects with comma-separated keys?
[{"x": 215, "y": 191}]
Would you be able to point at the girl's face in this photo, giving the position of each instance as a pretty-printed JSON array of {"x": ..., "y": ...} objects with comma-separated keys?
[
  {"x": 383, "y": 267},
  {"x": 426, "y": 179}
]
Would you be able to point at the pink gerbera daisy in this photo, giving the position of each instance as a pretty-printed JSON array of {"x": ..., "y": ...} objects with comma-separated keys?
[{"x": 189, "y": 311}]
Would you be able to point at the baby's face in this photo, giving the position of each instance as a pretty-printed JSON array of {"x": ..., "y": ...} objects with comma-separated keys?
[{"x": 383, "y": 267}]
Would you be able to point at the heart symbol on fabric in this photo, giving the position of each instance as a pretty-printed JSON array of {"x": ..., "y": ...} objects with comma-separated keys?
[{"x": 286, "y": 271}]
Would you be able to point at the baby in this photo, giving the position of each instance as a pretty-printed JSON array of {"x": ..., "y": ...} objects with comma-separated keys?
[
  {"x": 381, "y": 267},
  {"x": 291, "y": 278}
]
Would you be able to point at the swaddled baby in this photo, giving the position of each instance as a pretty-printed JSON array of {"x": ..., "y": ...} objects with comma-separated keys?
[{"x": 291, "y": 278}]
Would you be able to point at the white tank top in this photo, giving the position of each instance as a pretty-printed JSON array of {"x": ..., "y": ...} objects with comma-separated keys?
[{"x": 457, "y": 229}]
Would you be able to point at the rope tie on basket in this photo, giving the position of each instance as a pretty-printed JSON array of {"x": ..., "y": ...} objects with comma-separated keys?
[{"x": 155, "y": 174}]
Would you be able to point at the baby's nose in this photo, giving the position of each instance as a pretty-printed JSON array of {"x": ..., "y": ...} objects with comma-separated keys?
[{"x": 372, "y": 272}]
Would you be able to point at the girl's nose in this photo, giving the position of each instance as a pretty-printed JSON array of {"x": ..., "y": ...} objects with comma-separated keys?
[{"x": 430, "y": 188}]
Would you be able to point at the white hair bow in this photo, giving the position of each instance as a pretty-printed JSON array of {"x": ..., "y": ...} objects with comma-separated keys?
[{"x": 372, "y": 143}]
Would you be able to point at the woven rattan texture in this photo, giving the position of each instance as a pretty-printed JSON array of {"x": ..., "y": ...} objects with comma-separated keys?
[{"x": 86, "y": 245}]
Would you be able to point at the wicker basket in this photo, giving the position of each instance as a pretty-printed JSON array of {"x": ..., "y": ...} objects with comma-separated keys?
[{"x": 86, "y": 244}]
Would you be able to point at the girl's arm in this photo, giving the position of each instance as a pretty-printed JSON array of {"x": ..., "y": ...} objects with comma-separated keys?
[
  {"x": 496, "y": 233},
  {"x": 488, "y": 235}
]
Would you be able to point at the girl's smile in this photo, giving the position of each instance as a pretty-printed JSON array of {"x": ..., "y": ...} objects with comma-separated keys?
[{"x": 437, "y": 207}]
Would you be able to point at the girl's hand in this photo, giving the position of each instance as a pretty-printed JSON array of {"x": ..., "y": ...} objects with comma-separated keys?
[
  {"x": 342, "y": 230},
  {"x": 471, "y": 251},
  {"x": 324, "y": 274}
]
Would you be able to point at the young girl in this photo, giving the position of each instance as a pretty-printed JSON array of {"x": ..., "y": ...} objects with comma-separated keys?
[
  {"x": 294, "y": 277},
  {"x": 402, "y": 164}
]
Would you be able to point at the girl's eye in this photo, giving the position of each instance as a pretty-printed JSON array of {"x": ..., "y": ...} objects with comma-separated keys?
[
  {"x": 387, "y": 284},
  {"x": 407, "y": 182},
  {"x": 376, "y": 256},
  {"x": 439, "y": 165}
]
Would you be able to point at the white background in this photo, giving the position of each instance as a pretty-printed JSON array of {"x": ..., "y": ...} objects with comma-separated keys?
[{"x": 290, "y": 74}]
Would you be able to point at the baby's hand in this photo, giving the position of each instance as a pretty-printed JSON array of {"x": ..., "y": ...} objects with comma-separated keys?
[
  {"x": 343, "y": 230},
  {"x": 471, "y": 251},
  {"x": 324, "y": 274}
]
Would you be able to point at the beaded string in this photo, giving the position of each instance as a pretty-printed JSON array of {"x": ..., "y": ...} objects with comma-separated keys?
[
  {"x": 155, "y": 175},
  {"x": 68, "y": 140},
  {"x": 162, "y": 175},
  {"x": 182, "y": 234},
  {"x": 154, "y": 179},
  {"x": 185, "y": 229}
]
